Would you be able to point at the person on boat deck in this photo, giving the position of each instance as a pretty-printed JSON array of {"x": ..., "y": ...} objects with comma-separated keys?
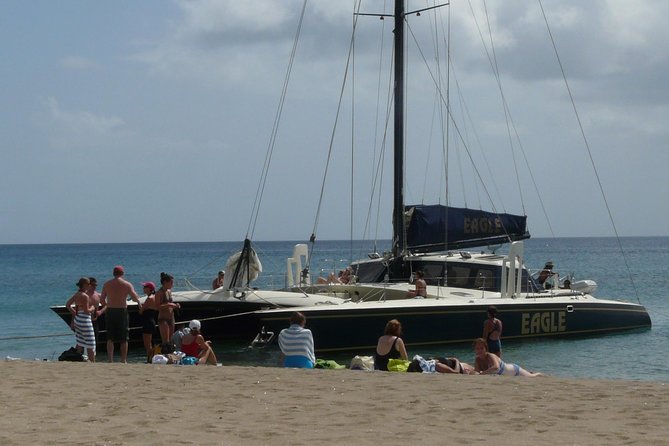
[
  {"x": 332, "y": 278},
  {"x": 421, "y": 286},
  {"x": 390, "y": 346},
  {"x": 489, "y": 364},
  {"x": 193, "y": 344},
  {"x": 492, "y": 331},
  {"x": 149, "y": 313},
  {"x": 166, "y": 308},
  {"x": 115, "y": 308},
  {"x": 81, "y": 319},
  {"x": 546, "y": 276},
  {"x": 218, "y": 281},
  {"x": 297, "y": 344},
  {"x": 345, "y": 275}
]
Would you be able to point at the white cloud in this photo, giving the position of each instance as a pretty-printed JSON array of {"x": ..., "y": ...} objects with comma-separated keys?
[{"x": 80, "y": 128}]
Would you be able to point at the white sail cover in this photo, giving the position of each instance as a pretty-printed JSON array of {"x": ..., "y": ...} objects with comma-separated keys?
[{"x": 253, "y": 269}]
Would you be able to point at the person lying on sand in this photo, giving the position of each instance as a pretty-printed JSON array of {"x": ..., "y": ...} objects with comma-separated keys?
[{"x": 490, "y": 364}]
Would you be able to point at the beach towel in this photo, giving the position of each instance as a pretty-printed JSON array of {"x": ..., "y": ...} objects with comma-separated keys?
[
  {"x": 426, "y": 365},
  {"x": 398, "y": 365},
  {"x": 328, "y": 364}
]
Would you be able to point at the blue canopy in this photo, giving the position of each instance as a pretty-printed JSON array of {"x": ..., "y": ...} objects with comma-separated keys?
[{"x": 427, "y": 228}]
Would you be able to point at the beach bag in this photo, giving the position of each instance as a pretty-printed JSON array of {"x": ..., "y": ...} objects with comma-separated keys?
[
  {"x": 398, "y": 365},
  {"x": 189, "y": 360},
  {"x": 159, "y": 359},
  {"x": 167, "y": 348},
  {"x": 362, "y": 363},
  {"x": 71, "y": 355},
  {"x": 175, "y": 358},
  {"x": 414, "y": 366}
]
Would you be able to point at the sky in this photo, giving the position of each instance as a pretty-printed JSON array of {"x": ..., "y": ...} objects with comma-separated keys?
[{"x": 150, "y": 121}]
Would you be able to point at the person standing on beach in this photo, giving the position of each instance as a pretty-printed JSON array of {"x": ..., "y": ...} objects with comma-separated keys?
[
  {"x": 390, "y": 346},
  {"x": 114, "y": 294},
  {"x": 81, "y": 319},
  {"x": 94, "y": 300},
  {"x": 166, "y": 308},
  {"x": 297, "y": 344},
  {"x": 149, "y": 313},
  {"x": 492, "y": 331},
  {"x": 218, "y": 281}
]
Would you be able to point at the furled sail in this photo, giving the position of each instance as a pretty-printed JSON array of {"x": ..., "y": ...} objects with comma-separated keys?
[{"x": 427, "y": 229}]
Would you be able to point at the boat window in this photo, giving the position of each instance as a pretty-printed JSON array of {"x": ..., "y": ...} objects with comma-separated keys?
[
  {"x": 434, "y": 273},
  {"x": 458, "y": 276},
  {"x": 484, "y": 279}
]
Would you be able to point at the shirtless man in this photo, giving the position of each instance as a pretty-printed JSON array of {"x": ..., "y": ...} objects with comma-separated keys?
[
  {"x": 113, "y": 297},
  {"x": 81, "y": 319},
  {"x": 218, "y": 281},
  {"x": 94, "y": 300}
]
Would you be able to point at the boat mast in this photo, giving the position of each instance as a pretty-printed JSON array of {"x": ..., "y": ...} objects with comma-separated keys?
[{"x": 398, "y": 146}]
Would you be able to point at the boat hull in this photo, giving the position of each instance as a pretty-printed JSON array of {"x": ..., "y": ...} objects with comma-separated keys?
[
  {"x": 358, "y": 326},
  {"x": 223, "y": 314}
]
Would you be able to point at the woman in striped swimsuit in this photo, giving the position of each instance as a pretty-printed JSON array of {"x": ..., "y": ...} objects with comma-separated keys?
[{"x": 81, "y": 319}]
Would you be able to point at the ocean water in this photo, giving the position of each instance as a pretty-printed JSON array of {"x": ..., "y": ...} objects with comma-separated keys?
[{"x": 34, "y": 277}]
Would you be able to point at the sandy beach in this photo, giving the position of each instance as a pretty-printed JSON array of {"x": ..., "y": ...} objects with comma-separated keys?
[{"x": 116, "y": 404}]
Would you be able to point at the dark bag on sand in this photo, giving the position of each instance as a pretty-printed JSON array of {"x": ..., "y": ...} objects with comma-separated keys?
[
  {"x": 71, "y": 355},
  {"x": 167, "y": 348},
  {"x": 415, "y": 366}
]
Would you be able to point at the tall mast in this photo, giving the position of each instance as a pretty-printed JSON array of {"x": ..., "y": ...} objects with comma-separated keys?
[{"x": 398, "y": 147}]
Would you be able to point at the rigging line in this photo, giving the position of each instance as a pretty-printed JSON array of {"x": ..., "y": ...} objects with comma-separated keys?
[
  {"x": 275, "y": 129},
  {"x": 334, "y": 127},
  {"x": 592, "y": 160},
  {"x": 352, "y": 188},
  {"x": 376, "y": 124},
  {"x": 492, "y": 60},
  {"x": 13, "y": 338},
  {"x": 509, "y": 117},
  {"x": 465, "y": 109},
  {"x": 457, "y": 129}
]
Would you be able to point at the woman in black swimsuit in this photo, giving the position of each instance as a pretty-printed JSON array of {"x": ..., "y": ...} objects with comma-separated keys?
[
  {"x": 149, "y": 314},
  {"x": 390, "y": 346}
]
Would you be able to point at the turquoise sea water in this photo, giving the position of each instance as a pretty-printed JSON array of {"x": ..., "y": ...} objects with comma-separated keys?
[{"x": 34, "y": 277}]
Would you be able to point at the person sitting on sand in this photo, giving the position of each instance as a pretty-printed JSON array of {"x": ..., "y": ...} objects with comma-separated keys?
[
  {"x": 297, "y": 344},
  {"x": 193, "y": 344},
  {"x": 390, "y": 346},
  {"x": 454, "y": 365},
  {"x": 490, "y": 364}
]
